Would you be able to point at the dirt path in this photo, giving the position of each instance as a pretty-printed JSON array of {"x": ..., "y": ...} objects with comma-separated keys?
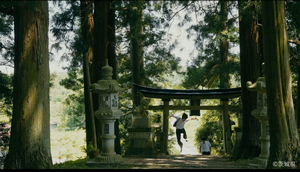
[
  {"x": 178, "y": 162},
  {"x": 189, "y": 158}
]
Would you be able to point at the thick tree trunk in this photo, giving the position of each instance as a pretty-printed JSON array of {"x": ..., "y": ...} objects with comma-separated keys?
[
  {"x": 111, "y": 37},
  {"x": 224, "y": 74},
  {"x": 30, "y": 135},
  {"x": 100, "y": 55},
  {"x": 284, "y": 139},
  {"x": 224, "y": 57},
  {"x": 298, "y": 94},
  {"x": 87, "y": 26},
  {"x": 136, "y": 51},
  {"x": 250, "y": 60},
  {"x": 298, "y": 100}
]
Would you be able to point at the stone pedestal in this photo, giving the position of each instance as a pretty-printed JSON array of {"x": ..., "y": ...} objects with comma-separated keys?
[
  {"x": 261, "y": 114},
  {"x": 264, "y": 138},
  {"x": 238, "y": 131},
  {"x": 140, "y": 138},
  {"x": 108, "y": 153},
  {"x": 140, "y": 122}
]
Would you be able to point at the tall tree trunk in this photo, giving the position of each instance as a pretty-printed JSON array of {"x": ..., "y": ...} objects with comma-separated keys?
[
  {"x": 87, "y": 26},
  {"x": 250, "y": 60},
  {"x": 100, "y": 54},
  {"x": 112, "y": 60},
  {"x": 111, "y": 37},
  {"x": 224, "y": 57},
  {"x": 136, "y": 50},
  {"x": 284, "y": 139},
  {"x": 30, "y": 134},
  {"x": 224, "y": 74},
  {"x": 298, "y": 93}
]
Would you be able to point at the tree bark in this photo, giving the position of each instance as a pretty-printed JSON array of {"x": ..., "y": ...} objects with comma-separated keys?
[
  {"x": 136, "y": 51},
  {"x": 284, "y": 139},
  {"x": 30, "y": 133},
  {"x": 224, "y": 58},
  {"x": 250, "y": 60},
  {"x": 224, "y": 75},
  {"x": 87, "y": 26},
  {"x": 111, "y": 37},
  {"x": 298, "y": 100},
  {"x": 298, "y": 94},
  {"x": 100, "y": 55}
]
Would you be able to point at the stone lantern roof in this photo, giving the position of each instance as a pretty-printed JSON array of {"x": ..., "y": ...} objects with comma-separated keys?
[{"x": 107, "y": 84}]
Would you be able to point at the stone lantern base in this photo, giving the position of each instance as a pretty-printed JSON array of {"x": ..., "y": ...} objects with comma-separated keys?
[
  {"x": 141, "y": 138},
  {"x": 101, "y": 160},
  {"x": 258, "y": 162}
]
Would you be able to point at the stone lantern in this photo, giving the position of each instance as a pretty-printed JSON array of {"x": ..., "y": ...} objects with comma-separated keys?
[
  {"x": 260, "y": 113},
  {"x": 108, "y": 112}
]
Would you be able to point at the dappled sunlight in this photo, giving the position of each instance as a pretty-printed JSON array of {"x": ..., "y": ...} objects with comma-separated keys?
[
  {"x": 29, "y": 102},
  {"x": 37, "y": 122},
  {"x": 33, "y": 114},
  {"x": 67, "y": 145},
  {"x": 183, "y": 162}
]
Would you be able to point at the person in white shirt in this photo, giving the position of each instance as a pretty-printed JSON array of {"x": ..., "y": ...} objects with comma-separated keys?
[
  {"x": 180, "y": 128},
  {"x": 205, "y": 147}
]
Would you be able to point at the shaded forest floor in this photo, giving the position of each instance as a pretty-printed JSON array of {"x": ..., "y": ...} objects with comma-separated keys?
[
  {"x": 176, "y": 162},
  {"x": 187, "y": 162}
]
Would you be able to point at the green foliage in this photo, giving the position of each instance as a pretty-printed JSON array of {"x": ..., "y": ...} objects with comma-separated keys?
[
  {"x": 91, "y": 151},
  {"x": 6, "y": 34},
  {"x": 74, "y": 112},
  {"x": 208, "y": 32},
  {"x": 6, "y": 94},
  {"x": 6, "y": 104},
  {"x": 67, "y": 144},
  {"x": 293, "y": 31},
  {"x": 211, "y": 129}
]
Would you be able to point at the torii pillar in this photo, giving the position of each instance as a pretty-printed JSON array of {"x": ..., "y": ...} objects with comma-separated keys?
[
  {"x": 165, "y": 126},
  {"x": 227, "y": 144}
]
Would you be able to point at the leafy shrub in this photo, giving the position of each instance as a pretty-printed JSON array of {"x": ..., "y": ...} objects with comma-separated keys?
[
  {"x": 91, "y": 151},
  {"x": 211, "y": 129}
]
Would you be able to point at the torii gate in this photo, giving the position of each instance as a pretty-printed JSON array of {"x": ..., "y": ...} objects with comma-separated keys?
[{"x": 167, "y": 94}]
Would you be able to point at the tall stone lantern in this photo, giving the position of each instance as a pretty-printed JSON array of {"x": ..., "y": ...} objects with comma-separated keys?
[
  {"x": 260, "y": 113},
  {"x": 108, "y": 112}
]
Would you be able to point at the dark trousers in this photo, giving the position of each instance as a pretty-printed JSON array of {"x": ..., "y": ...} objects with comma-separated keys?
[
  {"x": 178, "y": 135},
  {"x": 205, "y": 153}
]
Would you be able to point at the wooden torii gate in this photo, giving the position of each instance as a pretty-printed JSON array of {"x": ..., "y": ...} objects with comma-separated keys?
[{"x": 167, "y": 94}]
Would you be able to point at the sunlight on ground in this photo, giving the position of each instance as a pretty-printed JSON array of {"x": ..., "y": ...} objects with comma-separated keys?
[{"x": 67, "y": 145}]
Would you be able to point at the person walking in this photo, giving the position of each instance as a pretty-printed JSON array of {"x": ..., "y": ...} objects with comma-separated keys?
[
  {"x": 180, "y": 128},
  {"x": 205, "y": 146}
]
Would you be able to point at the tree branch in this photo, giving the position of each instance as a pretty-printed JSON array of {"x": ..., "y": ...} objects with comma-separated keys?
[
  {"x": 294, "y": 41},
  {"x": 180, "y": 10},
  {"x": 205, "y": 78}
]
